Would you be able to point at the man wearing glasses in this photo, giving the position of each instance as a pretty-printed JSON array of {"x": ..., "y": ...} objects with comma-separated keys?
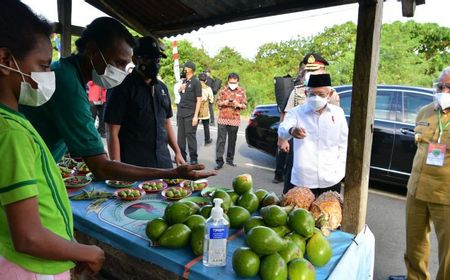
[
  {"x": 320, "y": 131},
  {"x": 138, "y": 113},
  {"x": 428, "y": 197},
  {"x": 312, "y": 64}
]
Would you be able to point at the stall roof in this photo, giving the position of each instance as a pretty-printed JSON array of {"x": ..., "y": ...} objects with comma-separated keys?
[{"x": 163, "y": 18}]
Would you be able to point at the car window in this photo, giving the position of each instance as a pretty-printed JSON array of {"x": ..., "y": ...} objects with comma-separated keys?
[
  {"x": 412, "y": 102},
  {"x": 383, "y": 105},
  {"x": 345, "y": 100}
]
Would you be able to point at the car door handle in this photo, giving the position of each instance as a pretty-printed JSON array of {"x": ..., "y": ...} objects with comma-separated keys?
[{"x": 407, "y": 131}]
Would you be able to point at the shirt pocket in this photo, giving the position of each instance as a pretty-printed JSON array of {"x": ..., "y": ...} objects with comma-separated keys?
[
  {"x": 331, "y": 131},
  {"x": 424, "y": 133}
]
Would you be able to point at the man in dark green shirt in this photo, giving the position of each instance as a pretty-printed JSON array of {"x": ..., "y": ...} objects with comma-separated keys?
[{"x": 65, "y": 122}]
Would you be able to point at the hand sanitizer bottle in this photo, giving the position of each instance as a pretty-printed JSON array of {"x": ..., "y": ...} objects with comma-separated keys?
[{"x": 216, "y": 233}]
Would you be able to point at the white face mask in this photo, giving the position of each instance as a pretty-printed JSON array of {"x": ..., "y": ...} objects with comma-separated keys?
[
  {"x": 112, "y": 77},
  {"x": 316, "y": 102},
  {"x": 232, "y": 86},
  {"x": 35, "y": 97},
  {"x": 443, "y": 99}
]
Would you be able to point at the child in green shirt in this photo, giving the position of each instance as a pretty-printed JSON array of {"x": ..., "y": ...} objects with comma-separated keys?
[{"x": 36, "y": 225}]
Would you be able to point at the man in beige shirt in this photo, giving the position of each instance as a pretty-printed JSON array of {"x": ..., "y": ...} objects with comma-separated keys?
[{"x": 428, "y": 198}]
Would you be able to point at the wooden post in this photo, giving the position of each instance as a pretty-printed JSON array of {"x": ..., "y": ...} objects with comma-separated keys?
[
  {"x": 65, "y": 18},
  {"x": 361, "y": 120}
]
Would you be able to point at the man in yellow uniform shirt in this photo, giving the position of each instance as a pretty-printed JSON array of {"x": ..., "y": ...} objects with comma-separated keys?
[{"x": 428, "y": 198}]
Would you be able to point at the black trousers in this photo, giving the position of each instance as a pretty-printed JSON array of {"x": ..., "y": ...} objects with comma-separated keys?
[
  {"x": 187, "y": 132},
  {"x": 206, "y": 130},
  {"x": 222, "y": 131},
  {"x": 317, "y": 192},
  {"x": 211, "y": 113},
  {"x": 97, "y": 111},
  {"x": 280, "y": 164},
  {"x": 288, "y": 169}
]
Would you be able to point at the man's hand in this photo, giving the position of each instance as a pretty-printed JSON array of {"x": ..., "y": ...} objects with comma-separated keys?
[
  {"x": 93, "y": 266},
  {"x": 236, "y": 104},
  {"x": 194, "y": 121},
  {"x": 298, "y": 132},
  {"x": 192, "y": 172},
  {"x": 182, "y": 88},
  {"x": 179, "y": 160},
  {"x": 283, "y": 145}
]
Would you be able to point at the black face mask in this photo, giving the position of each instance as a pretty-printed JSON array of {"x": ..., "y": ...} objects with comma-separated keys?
[
  {"x": 150, "y": 70},
  {"x": 183, "y": 74}
]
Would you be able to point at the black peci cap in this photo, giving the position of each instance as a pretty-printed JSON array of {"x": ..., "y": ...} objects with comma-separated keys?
[{"x": 319, "y": 80}]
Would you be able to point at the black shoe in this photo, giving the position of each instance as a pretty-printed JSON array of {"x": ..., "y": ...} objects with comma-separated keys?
[
  {"x": 207, "y": 142},
  {"x": 277, "y": 180},
  {"x": 193, "y": 162},
  {"x": 397, "y": 277},
  {"x": 230, "y": 163},
  {"x": 218, "y": 166}
]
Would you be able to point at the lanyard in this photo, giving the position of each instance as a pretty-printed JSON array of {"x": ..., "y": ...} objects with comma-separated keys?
[{"x": 441, "y": 129}]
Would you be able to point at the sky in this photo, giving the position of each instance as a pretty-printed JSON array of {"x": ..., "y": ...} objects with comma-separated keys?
[{"x": 246, "y": 36}]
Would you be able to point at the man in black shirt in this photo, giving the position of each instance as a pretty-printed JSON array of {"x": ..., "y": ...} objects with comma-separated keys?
[
  {"x": 138, "y": 113},
  {"x": 187, "y": 115}
]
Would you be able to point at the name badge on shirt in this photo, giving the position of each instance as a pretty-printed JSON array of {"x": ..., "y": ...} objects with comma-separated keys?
[{"x": 436, "y": 154}]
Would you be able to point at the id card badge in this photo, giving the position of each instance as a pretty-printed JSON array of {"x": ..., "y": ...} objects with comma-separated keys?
[{"x": 436, "y": 154}]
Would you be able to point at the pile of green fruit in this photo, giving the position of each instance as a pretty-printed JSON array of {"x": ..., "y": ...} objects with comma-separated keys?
[
  {"x": 282, "y": 242},
  {"x": 129, "y": 193},
  {"x": 180, "y": 226},
  {"x": 176, "y": 192},
  {"x": 152, "y": 186}
]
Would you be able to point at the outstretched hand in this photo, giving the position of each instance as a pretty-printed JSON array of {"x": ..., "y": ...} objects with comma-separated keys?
[{"x": 193, "y": 172}]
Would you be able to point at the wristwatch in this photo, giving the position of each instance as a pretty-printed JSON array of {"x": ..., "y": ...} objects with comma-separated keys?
[{"x": 290, "y": 131}]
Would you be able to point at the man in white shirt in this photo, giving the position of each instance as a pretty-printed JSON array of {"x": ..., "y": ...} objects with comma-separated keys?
[{"x": 320, "y": 135}]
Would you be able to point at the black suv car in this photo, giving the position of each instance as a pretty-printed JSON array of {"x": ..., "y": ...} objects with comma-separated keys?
[{"x": 393, "y": 146}]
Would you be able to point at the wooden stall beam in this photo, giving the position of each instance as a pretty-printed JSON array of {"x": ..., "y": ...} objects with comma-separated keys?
[
  {"x": 408, "y": 8},
  {"x": 74, "y": 29},
  {"x": 361, "y": 120},
  {"x": 65, "y": 18}
]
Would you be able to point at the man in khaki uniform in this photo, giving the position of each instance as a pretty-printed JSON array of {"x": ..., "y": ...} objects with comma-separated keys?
[{"x": 428, "y": 198}]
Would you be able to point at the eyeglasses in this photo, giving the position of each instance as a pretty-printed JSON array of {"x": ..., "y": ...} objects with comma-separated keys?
[
  {"x": 440, "y": 87},
  {"x": 322, "y": 94}
]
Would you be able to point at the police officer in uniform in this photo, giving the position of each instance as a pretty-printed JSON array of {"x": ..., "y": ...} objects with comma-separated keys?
[
  {"x": 138, "y": 113},
  {"x": 428, "y": 198}
]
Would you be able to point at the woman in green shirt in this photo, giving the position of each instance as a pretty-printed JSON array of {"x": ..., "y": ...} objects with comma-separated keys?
[{"x": 36, "y": 225}]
